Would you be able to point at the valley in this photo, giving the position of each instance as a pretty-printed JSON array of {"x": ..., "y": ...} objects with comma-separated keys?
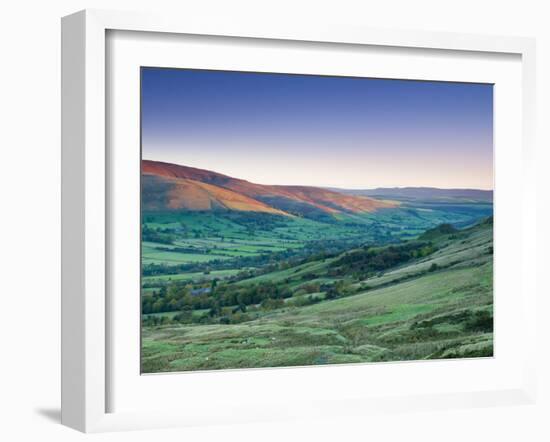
[
  {"x": 325, "y": 311},
  {"x": 237, "y": 274}
]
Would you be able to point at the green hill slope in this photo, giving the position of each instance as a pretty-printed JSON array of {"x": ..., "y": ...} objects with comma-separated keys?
[{"x": 435, "y": 306}]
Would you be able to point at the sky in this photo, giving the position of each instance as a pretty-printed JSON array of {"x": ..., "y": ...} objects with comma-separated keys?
[{"x": 356, "y": 133}]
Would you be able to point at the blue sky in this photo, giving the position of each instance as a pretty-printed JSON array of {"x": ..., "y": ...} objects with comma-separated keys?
[{"x": 320, "y": 130}]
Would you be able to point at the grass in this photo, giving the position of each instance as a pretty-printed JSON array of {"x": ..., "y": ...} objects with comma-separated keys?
[
  {"x": 409, "y": 312},
  {"x": 218, "y": 274},
  {"x": 172, "y": 314},
  {"x": 154, "y": 255},
  {"x": 291, "y": 273}
]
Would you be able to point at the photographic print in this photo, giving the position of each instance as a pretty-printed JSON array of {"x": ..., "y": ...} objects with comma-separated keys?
[{"x": 302, "y": 220}]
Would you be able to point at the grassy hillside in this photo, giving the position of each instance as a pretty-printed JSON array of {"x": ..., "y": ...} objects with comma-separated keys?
[{"x": 424, "y": 299}]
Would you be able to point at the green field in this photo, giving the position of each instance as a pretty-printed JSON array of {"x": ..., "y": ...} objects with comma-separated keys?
[
  {"x": 220, "y": 274},
  {"x": 288, "y": 292}
]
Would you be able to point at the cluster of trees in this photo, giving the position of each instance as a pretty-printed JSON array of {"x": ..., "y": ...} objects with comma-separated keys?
[
  {"x": 368, "y": 261},
  {"x": 162, "y": 235},
  {"x": 190, "y": 317},
  {"x": 335, "y": 290},
  {"x": 442, "y": 229},
  {"x": 182, "y": 297},
  {"x": 194, "y": 250},
  {"x": 165, "y": 269},
  {"x": 175, "y": 297},
  {"x": 232, "y": 294}
]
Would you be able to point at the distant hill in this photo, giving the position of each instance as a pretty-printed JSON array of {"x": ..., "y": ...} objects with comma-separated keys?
[
  {"x": 168, "y": 193},
  {"x": 167, "y": 186},
  {"x": 424, "y": 193}
]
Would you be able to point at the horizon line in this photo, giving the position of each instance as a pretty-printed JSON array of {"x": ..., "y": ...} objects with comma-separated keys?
[
  {"x": 409, "y": 187},
  {"x": 329, "y": 187}
]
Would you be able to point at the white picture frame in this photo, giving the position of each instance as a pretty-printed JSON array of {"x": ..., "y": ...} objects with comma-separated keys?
[{"x": 85, "y": 209}]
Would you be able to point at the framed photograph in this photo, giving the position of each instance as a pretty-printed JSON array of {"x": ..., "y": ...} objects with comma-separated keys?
[{"x": 262, "y": 222}]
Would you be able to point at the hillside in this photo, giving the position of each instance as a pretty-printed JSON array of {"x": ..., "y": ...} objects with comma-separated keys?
[
  {"x": 167, "y": 193},
  {"x": 171, "y": 187},
  {"x": 422, "y": 299}
]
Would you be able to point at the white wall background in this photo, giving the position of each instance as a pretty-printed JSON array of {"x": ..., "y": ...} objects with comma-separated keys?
[{"x": 30, "y": 219}]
